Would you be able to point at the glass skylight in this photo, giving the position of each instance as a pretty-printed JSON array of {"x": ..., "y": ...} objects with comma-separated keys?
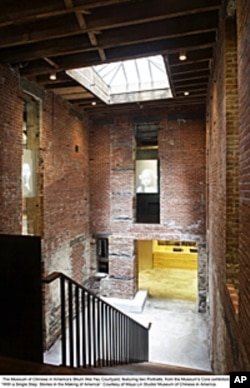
[{"x": 126, "y": 81}]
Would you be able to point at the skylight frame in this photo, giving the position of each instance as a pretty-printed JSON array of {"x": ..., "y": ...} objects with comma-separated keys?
[{"x": 112, "y": 82}]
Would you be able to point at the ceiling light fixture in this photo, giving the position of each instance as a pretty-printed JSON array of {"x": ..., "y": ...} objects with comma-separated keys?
[
  {"x": 182, "y": 55},
  {"x": 52, "y": 76}
]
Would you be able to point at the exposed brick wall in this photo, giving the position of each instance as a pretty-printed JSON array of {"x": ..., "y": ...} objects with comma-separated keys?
[
  {"x": 228, "y": 207},
  {"x": 243, "y": 19},
  {"x": 64, "y": 188},
  {"x": 99, "y": 164},
  {"x": 66, "y": 243},
  {"x": 64, "y": 153},
  {"x": 232, "y": 152},
  {"x": 182, "y": 163},
  {"x": 11, "y": 118},
  {"x": 112, "y": 167}
]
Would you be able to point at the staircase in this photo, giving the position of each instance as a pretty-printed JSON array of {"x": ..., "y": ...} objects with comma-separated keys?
[{"x": 95, "y": 333}]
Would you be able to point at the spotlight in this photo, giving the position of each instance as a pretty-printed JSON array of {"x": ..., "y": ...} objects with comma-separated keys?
[
  {"x": 52, "y": 76},
  {"x": 182, "y": 56}
]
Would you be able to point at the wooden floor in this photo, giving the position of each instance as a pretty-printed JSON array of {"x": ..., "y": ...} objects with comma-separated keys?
[{"x": 9, "y": 366}]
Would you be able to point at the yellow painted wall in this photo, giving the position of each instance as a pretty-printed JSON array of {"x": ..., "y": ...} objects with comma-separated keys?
[
  {"x": 164, "y": 256},
  {"x": 145, "y": 254}
]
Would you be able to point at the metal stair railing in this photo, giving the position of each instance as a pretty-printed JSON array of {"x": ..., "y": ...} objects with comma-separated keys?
[{"x": 93, "y": 332}]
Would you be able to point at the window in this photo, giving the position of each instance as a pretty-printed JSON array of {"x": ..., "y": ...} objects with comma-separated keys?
[{"x": 147, "y": 187}]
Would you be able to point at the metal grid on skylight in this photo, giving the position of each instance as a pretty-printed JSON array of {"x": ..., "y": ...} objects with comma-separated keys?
[{"x": 128, "y": 81}]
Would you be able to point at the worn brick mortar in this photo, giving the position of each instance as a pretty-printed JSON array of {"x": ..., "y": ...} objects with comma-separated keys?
[
  {"x": 64, "y": 161},
  {"x": 182, "y": 163},
  {"x": 10, "y": 152},
  {"x": 229, "y": 193},
  {"x": 66, "y": 243},
  {"x": 243, "y": 34}
]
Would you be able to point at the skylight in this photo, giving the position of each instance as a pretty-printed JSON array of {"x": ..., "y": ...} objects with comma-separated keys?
[{"x": 126, "y": 81}]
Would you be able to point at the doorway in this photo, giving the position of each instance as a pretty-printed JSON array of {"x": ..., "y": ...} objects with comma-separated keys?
[
  {"x": 179, "y": 334},
  {"x": 168, "y": 269}
]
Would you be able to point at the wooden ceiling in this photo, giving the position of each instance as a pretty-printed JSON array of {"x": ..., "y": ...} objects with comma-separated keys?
[{"x": 44, "y": 36}]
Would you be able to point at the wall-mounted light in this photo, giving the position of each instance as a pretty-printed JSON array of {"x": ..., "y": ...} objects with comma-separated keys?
[
  {"x": 182, "y": 55},
  {"x": 186, "y": 93},
  {"x": 93, "y": 103},
  {"x": 52, "y": 76}
]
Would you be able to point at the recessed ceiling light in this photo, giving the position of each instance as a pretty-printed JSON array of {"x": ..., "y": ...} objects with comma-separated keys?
[
  {"x": 182, "y": 56},
  {"x": 52, "y": 76}
]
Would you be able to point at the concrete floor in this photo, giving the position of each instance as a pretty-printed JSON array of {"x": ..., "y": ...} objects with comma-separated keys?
[{"x": 178, "y": 335}]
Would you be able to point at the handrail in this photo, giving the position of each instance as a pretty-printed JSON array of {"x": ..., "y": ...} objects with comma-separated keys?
[{"x": 95, "y": 333}]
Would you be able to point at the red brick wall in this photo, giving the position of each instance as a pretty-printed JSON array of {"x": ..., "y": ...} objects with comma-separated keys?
[
  {"x": 10, "y": 152},
  {"x": 64, "y": 153},
  {"x": 65, "y": 158},
  {"x": 182, "y": 162},
  {"x": 99, "y": 165},
  {"x": 232, "y": 152},
  {"x": 64, "y": 191},
  {"x": 243, "y": 18},
  {"x": 228, "y": 237}
]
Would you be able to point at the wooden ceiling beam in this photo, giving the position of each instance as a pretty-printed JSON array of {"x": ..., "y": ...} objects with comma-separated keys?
[
  {"x": 156, "y": 30},
  {"x": 47, "y": 9},
  {"x": 193, "y": 56},
  {"x": 185, "y": 101},
  {"x": 56, "y": 27},
  {"x": 39, "y": 68},
  {"x": 133, "y": 34},
  {"x": 191, "y": 84},
  {"x": 196, "y": 75},
  {"x": 189, "y": 68},
  {"x": 80, "y": 44},
  {"x": 137, "y": 12},
  {"x": 83, "y": 26},
  {"x": 163, "y": 46}
]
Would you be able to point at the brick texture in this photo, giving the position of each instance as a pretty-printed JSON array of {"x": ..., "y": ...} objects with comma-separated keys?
[
  {"x": 228, "y": 193},
  {"x": 10, "y": 152},
  {"x": 243, "y": 12},
  {"x": 181, "y": 143},
  {"x": 66, "y": 243}
]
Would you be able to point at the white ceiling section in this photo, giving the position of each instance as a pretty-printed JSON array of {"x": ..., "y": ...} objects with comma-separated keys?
[{"x": 134, "y": 80}]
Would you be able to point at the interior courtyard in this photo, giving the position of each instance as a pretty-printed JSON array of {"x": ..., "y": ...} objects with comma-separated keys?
[{"x": 127, "y": 192}]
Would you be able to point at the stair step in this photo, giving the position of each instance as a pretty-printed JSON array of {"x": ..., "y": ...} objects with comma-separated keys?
[
  {"x": 148, "y": 368},
  {"x": 15, "y": 366}
]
